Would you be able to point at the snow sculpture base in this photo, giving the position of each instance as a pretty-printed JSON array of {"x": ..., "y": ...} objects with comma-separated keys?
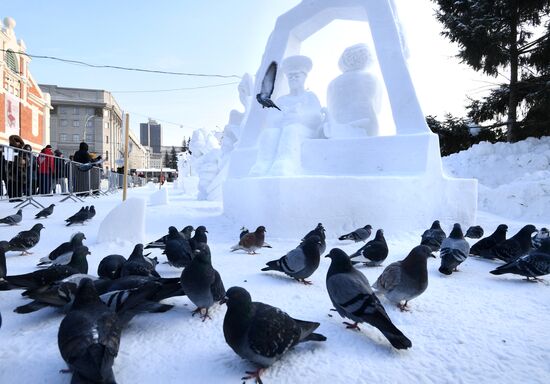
[
  {"x": 159, "y": 197},
  {"x": 125, "y": 222},
  {"x": 392, "y": 182}
]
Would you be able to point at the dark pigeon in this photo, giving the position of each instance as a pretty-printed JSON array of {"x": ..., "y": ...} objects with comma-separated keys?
[
  {"x": 404, "y": 280},
  {"x": 301, "y": 262},
  {"x": 199, "y": 237},
  {"x": 201, "y": 282},
  {"x": 360, "y": 234},
  {"x": 513, "y": 248},
  {"x": 536, "y": 263},
  {"x": 110, "y": 267},
  {"x": 251, "y": 241},
  {"x": 13, "y": 219},
  {"x": 25, "y": 240},
  {"x": 177, "y": 249},
  {"x": 318, "y": 231},
  {"x": 268, "y": 83},
  {"x": 137, "y": 265},
  {"x": 45, "y": 212},
  {"x": 91, "y": 212},
  {"x": 375, "y": 251},
  {"x": 475, "y": 232},
  {"x": 261, "y": 333},
  {"x": 542, "y": 234},
  {"x": 4, "y": 247},
  {"x": 352, "y": 296},
  {"x": 161, "y": 243},
  {"x": 63, "y": 253},
  {"x": 78, "y": 218},
  {"x": 497, "y": 237},
  {"x": 454, "y": 250},
  {"x": 433, "y": 237}
]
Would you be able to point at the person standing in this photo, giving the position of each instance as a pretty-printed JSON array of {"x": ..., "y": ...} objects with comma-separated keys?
[{"x": 45, "y": 170}]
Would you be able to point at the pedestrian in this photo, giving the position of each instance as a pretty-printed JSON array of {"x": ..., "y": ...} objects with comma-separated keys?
[{"x": 46, "y": 168}]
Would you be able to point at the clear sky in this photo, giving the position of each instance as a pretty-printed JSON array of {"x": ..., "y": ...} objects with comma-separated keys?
[{"x": 213, "y": 37}]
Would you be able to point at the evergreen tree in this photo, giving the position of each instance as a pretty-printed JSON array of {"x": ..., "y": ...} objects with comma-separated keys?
[
  {"x": 166, "y": 161},
  {"x": 173, "y": 159},
  {"x": 497, "y": 35}
]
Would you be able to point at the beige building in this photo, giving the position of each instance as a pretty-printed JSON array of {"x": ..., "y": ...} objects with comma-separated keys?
[{"x": 138, "y": 155}]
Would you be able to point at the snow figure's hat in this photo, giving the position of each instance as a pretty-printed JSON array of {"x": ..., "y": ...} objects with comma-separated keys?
[{"x": 298, "y": 63}]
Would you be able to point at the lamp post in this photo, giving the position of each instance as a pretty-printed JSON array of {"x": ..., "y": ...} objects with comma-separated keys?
[{"x": 88, "y": 117}]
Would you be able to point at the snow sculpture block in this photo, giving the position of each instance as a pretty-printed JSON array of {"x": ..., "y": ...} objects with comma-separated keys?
[
  {"x": 392, "y": 182},
  {"x": 159, "y": 197},
  {"x": 125, "y": 222}
]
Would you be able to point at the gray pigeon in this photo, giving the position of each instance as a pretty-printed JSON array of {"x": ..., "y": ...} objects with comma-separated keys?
[
  {"x": 404, "y": 280},
  {"x": 261, "y": 333},
  {"x": 487, "y": 243},
  {"x": 63, "y": 253},
  {"x": 513, "y": 248},
  {"x": 268, "y": 83},
  {"x": 110, "y": 267},
  {"x": 137, "y": 265},
  {"x": 251, "y": 241},
  {"x": 4, "y": 247},
  {"x": 25, "y": 240},
  {"x": 375, "y": 251},
  {"x": 532, "y": 265},
  {"x": 474, "y": 232},
  {"x": 542, "y": 234},
  {"x": 161, "y": 243},
  {"x": 13, "y": 219},
  {"x": 301, "y": 262},
  {"x": 352, "y": 296},
  {"x": 454, "y": 250},
  {"x": 199, "y": 237},
  {"x": 201, "y": 282},
  {"x": 45, "y": 212},
  {"x": 318, "y": 231},
  {"x": 360, "y": 234},
  {"x": 177, "y": 249},
  {"x": 433, "y": 237},
  {"x": 79, "y": 218},
  {"x": 91, "y": 212}
]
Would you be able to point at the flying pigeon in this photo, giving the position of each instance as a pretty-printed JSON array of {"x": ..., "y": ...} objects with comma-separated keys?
[
  {"x": 45, "y": 212},
  {"x": 201, "y": 282},
  {"x": 513, "y": 248},
  {"x": 454, "y": 250},
  {"x": 542, "y": 234},
  {"x": 4, "y": 247},
  {"x": 251, "y": 241},
  {"x": 360, "y": 234},
  {"x": 161, "y": 243},
  {"x": 63, "y": 253},
  {"x": 352, "y": 296},
  {"x": 475, "y": 232},
  {"x": 532, "y": 265},
  {"x": 497, "y": 237},
  {"x": 318, "y": 231},
  {"x": 137, "y": 265},
  {"x": 404, "y": 280},
  {"x": 301, "y": 262},
  {"x": 177, "y": 249},
  {"x": 199, "y": 237},
  {"x": 433, "y": 237},
  {"x": 13, "y": 219},
  {"x": 80, "y": 217},
  {"x": 25, "y": 240},
  {"x": 268, "y": 83},
  {"x": 375, "y": 251},
  {"x": 110, "y": 267},
  {"x": 261, "y": 333}
]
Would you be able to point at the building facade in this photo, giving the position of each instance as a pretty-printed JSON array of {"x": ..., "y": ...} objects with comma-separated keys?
[
  {"x": 138, "y": 155},
  {"x": 89, "y": 115},
  {"x": 24, "y": 107},
  {"x": 150, "y": 135}
]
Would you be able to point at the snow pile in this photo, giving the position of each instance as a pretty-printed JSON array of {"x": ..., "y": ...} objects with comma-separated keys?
[
  {"x": 126, "y": 222},
  {"x": 159, "y": 197},
  {"x": 514, "y": 179}
]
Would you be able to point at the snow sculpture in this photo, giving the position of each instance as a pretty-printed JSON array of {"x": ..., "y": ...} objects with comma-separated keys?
[
  {"x": 393, "y": 182},
  {"x": 354, "y": 97},
  {"x": 125, "y": 222},
  {"x": 205, "y": 158},
  {"x": 300, "y": 118}
]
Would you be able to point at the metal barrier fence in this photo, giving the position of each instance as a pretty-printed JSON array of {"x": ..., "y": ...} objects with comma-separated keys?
[{"x": 26, "y": 175}]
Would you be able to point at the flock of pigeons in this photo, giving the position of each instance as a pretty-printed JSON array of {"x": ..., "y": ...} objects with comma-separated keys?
[{"x": 98, "y": 308}]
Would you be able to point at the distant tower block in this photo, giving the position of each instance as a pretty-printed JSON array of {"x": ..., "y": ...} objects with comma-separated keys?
[{"x": 395, "y": 182}]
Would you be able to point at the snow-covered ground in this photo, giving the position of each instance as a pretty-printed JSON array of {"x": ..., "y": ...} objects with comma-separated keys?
[{"x": 470, "y": 327}]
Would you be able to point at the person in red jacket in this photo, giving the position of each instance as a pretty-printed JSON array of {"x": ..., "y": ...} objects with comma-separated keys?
[{"x": 45, "y": 170}]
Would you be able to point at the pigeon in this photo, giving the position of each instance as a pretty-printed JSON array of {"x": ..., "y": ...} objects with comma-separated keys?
[
  {"x": 63, "y": 253},
  {"x": 201, "y": 282},
  {"x": 137, "y": 265},
  {"x": 43, "y": 277},
  {"x": 497, "y": 237},
  {"x": 536, "y": 263},
  {"x": 268, "y": 83},
  {"x": 89, "y": 337},
  {"x": 25, "y": 240},
  {"x": 251, "y": 241},
  {"x": 45, "y": 212},
  {"x": 318, "y": 231},
  {"x": 406, "y": 279},
  {"x": 199, "y": 237},
  {"x": 78, "y": 218},
  {"x": 110, "y": 267},
  {"x": 244, "y": 231},
  {"x": 454, "y": 250},
  {"x": 4, "y": 247},
  {"x": 542, "y": 234},
  {"x": 375, "y": 250},
  {"x": 261, "y": 333},
  {"x": 161, "y": 243},
  {"x": 352, "y": 296},
  {"x": 433, "y": 237},
  {"x": 177, "y": 249},
  {"x": 513, "y": 248},
  {"x": 475, "y": 232},
  {"x": 13, "y": 219},
  {"x": 360, "y": 234},
  {"x": 301, "y": 262},
  {"x": 91, "y": 212}
]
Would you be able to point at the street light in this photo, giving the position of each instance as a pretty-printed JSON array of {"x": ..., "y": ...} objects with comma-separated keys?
[{"x": 88, "y": 117}]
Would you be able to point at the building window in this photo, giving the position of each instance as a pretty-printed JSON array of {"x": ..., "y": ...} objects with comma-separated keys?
[
  {"x": 89, "y": 138},
  {"x": 76, "y": 138},
  {"x": 11, "y": 61},
  {"x": 62, "y": 110},
  {"x": 64, "y": 123},
  {"x": 63, "y": 137},
  {"x": 76, "y": 123},
  {"x": 106, "y": 125},
  {"x": 76, "y": 111},
  {"x": 106, "y": 139}
]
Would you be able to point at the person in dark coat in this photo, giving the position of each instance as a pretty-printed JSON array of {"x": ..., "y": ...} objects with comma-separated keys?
[
  {"x": 15, "y": 168},
  {"x": 81, "y": 179}
]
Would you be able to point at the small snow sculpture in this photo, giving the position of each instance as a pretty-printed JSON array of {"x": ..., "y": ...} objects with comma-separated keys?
[
  {"x": 125, "y": 222},
  {"x": 205, "y": 159}
]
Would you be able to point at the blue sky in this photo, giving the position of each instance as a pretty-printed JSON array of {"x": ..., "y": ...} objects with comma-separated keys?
[{"x": 215, "y": 37}]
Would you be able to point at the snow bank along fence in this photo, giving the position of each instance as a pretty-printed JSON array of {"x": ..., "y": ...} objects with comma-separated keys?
[{"x": 26, "y": 175}]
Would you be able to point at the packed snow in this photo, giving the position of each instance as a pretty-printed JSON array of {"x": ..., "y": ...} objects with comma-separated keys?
[{"x": 469, "y": 327}]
